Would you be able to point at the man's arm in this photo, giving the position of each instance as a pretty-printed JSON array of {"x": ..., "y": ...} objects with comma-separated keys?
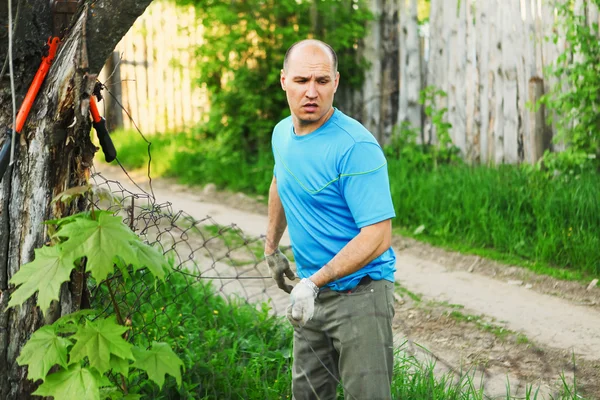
[
  {"x": 276, "y": 220},
  {"x": 369, "y": 244}
]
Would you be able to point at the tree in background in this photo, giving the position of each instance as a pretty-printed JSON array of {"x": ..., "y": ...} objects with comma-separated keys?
[
  {"x": 54, "y": 152},
  {"x": 242, "y": 55}
]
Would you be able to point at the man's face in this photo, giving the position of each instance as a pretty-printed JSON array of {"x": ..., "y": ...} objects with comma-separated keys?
[{"x": 309, "y": 83}]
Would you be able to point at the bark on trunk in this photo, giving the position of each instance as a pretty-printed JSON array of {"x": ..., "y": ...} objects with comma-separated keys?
[{"x": 53, "y": 152}]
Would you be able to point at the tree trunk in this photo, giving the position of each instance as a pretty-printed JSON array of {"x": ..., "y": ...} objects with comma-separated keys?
[{"x": 53, "y": 152}]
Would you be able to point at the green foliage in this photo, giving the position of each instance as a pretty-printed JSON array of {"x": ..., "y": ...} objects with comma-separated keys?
[
  {"x": 574, "y": 101},
  {"x": 239, "y": 64},
  {"x": 405, "y": 146},
  {"x": 158, "y": 362},
  {"x": 101, "y": 240},
  {"x": 98, "y": 341},
  {"x": 509, "y": 209},
  {"x": 45, "y": 274},
  {"x": 75, "y": 382},
  {"x": 85, "y": 351},
  {"x": 44, "y": 349},
  {"x": 230, "y": 349}
]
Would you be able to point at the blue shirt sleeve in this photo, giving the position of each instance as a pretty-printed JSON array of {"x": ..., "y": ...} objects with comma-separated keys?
[{"x": 365, "y": 185}]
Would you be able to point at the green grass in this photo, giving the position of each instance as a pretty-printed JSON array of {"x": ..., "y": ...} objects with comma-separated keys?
[
  {"x": 233, "y": 350},
  {"x": 500, "y": 332},
  {"x": 196, "y": 160},
  {"x": 402, "y": 290},
  {"x": 505, "y": 212},
  {"x": 539, "y": 267}
]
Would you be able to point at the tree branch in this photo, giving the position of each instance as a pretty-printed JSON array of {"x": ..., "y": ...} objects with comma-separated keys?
[{"x": 108, "y": 21}]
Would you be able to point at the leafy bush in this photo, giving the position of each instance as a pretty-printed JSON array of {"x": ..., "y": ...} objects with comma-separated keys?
[
  {"x": 405, "y": 146},
  {"x": 239, "y": 64},
  {"x": 77, "y": 355},
  {"x": 574, "y": 101},
  {"x": 230, "y": 349}
]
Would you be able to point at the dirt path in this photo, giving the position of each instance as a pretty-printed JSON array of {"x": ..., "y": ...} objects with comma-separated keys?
[{"x": 469, "y": 313}]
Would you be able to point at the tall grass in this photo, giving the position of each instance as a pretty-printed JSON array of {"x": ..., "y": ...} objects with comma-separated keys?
[
  {"x": 509, "y": 209},
  {"x": 195, "y": 160},
  {"x": 234, "y": 350}
]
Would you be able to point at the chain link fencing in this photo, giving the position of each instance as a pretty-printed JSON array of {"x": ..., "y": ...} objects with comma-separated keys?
[{"x": 217, "y": 305}]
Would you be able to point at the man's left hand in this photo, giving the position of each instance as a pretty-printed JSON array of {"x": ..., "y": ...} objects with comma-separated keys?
[{"x": 303, "y": 302}]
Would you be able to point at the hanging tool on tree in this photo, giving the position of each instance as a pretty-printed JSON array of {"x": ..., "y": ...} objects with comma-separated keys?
[{"x": 62, "y": 12}]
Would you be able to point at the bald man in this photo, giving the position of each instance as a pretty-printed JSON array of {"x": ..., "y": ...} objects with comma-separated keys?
[{"x": 331, "y": 191}]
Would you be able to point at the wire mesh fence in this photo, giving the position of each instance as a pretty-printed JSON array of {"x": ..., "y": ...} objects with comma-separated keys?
[{"x": 217, "y": 306}]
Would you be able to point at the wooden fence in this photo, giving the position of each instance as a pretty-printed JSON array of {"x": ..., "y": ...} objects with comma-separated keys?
[
  {"x": 487, "y": 55},
  {"x": 152, "y": 72}
]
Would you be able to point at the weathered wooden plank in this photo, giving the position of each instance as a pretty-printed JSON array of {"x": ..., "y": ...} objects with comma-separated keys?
[
  {"x": 457, "y": 20},
  {"x": 409, "y": 109},
  {"x": 510, "y": 54},
  {"x": 550, "y": 51},
  {"x": 539, "y": 139},
  {"x": 390, "y": 70},
  {"x": 372, "y": 83},
  {"x": 496, "y": 138},
  {"x": 484, "y": 26},
  {"x": 471, "y": 86}
]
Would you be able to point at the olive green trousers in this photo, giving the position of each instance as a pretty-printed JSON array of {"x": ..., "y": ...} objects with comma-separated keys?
[{"x": 348, "y": 340}]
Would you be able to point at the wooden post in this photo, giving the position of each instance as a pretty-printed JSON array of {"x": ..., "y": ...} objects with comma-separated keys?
[
  {"x": 409, "y": 109},
  {"x": 539, "y": 136},
  {"x": 372, "y": 89},
  {"x": 113, "y": 112}
]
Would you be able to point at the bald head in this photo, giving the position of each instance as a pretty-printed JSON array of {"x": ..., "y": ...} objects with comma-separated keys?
[{"x": 317, "y": 44}]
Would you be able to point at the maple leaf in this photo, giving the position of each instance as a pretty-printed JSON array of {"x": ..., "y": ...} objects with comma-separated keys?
[
  {"x": 119, "y": 365},
  {"x": 157, "y": 362},
  {"x": 150, "y": 258},
  {"x": 100, "y": 241},
  {"x": 49, "y": 269},
  {"x": 68, "y": 219},
  {"x": 42, "y": 351},
  {"x": 77, "y": 382},
  {"x": 97, "y": 341}
]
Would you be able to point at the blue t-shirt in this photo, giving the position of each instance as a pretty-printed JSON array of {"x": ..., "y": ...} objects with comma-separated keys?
[{"x": 332, "y": 182}]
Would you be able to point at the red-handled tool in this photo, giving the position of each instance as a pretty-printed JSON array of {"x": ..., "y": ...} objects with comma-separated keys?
[
  {"x": 110, "y": 153},
  {"x": 62, "y": 11},
  {"x": 30, "y": 97}
]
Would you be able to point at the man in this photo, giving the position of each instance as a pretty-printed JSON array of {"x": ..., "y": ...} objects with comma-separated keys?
[{"x": 331, "y": 190}]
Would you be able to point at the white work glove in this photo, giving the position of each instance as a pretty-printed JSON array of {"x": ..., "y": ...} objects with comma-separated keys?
[
  {"x": 278, "y": 265},
  {"x": 303, "y": 302}
]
